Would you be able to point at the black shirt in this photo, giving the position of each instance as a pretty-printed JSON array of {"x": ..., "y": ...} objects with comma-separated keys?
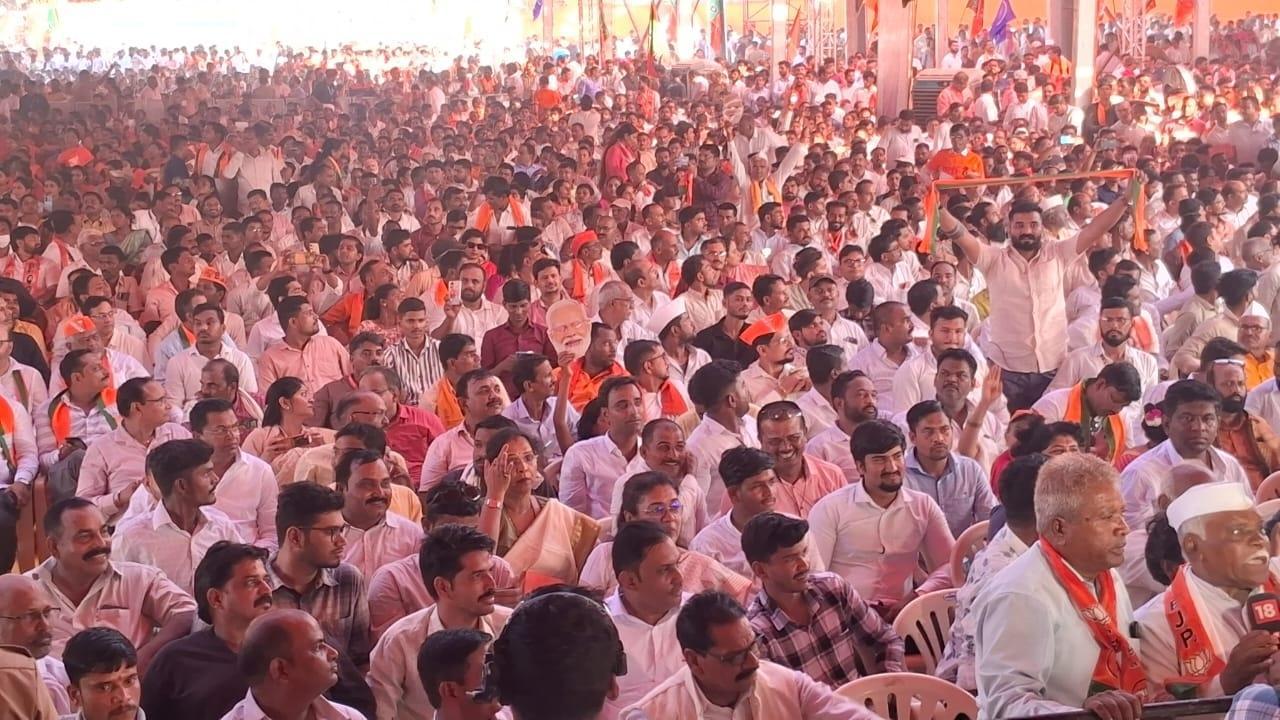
[
  {"x": 196, "y": 678},
  {"x": 720, "y": 346}
]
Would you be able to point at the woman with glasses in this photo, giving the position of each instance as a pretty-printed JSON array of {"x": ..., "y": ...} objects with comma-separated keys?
[
  {"x": 286, "y": 432},
  {"x": 653, "y": 497},
  {"x": 542, "y": 539},
  {"x": 380, "y": 315}
]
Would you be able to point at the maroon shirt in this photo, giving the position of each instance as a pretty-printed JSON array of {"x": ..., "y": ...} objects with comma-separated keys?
[
  {"x": 409, "y": 434},
  {"x": 503, "y": 342}
]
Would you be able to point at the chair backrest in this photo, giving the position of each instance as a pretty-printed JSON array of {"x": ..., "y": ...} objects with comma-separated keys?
[
  {"x": 927, "y": 621},
  {"x": 911, "y": 695},
  {"x": 967, "y": 546},
  {"x": 1269, "y": 489},
  {"x": 1268, "y": 508}
]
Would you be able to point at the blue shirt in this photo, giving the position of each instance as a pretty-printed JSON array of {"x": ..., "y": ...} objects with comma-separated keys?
[{"x": 963, "y": 492}]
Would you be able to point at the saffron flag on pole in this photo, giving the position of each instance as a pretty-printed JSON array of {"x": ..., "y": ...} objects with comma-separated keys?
[
  {"x": 716, "y": 11},
  {"x": 977, "y": 6},
  {"x": 1000, "y": 25},
  {"x": 1183, "y": 12}
]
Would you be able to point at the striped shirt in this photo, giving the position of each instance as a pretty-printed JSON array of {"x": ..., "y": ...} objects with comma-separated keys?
[
  {"x": 826, "y": 649},
  {"x": 418, "y": 371}
]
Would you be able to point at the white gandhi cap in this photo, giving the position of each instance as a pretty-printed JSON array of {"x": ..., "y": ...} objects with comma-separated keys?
[{"x": 1207, "y": 499}]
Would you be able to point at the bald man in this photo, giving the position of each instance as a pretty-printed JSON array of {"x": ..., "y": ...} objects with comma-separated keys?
[
  {"x": 24, "y": 623},
  {"x": 289, "y": 666}
]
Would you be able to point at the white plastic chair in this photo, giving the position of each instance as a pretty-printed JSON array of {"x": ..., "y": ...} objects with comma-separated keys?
[
  {"x": 911, "y": 696},
  {"x": 967, "y": 546},
  {"x": 927, "y": 621}
]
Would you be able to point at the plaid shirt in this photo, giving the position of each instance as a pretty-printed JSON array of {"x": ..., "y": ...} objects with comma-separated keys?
[
  {"x": 1256, "y": 702},
  {"x": 840, "y": 622},
  {"x": 338, "y": 601}
]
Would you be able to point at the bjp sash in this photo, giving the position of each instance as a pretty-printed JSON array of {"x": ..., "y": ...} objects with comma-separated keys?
[
  {"x": 1118, "y": 666},
  {"x": 186, "y": 338},
  {"x": 484, "y": 215},
  {"x": 757, "y": 189},
  {"x": 1076, "y": 413},
  {"x": 448, "y": 409},
  {"x": 598, "y": 276},
  {"x": 1143, "y": 335},
  {"x": 673, "y": 404},
  {"x": 60, "y": 413},
  {"x": 1198, "y": 660}
]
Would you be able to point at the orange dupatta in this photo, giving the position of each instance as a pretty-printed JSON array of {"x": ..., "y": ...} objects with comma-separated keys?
[
  {"x": 673, "y": 404},
  {"x": 1075, "y": 412},
  {"x": 7, "y": 429},
  {"x": 447, "y": 407},
  {"x": 1118, "y": 666},
  {"x": 484, "y": 215},
  {"x": 579, "y": 290},
  {"x": 757, "y": 193}
]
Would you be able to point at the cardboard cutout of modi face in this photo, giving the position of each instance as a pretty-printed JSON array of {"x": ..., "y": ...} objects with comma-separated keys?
[{"x": 568, "y": 327}]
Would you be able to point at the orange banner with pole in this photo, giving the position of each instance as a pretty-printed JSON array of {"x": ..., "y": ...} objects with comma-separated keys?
[{"x": 924, "y": 243}]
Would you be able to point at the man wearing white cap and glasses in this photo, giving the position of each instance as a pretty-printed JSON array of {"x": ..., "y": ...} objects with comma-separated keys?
[
  {"x": 1195, "y": 639},
  {"x": 673, "y": 327}
]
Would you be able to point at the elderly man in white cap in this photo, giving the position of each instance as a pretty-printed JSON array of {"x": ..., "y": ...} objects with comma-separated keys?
[
  {"x": 673, "y": 327},
  {"x": 1195, "y": 640},
  {"x": 1135, "y": 573}
]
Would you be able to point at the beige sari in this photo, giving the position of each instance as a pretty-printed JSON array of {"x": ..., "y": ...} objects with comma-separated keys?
[{"x": 556, "y": 544}]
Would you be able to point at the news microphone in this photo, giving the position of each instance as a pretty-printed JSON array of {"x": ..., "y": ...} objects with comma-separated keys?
[{"x": 1262, "y": 611}]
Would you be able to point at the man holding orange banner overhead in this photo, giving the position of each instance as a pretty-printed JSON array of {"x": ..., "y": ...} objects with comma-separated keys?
[{"x": 1028, "y": 307}]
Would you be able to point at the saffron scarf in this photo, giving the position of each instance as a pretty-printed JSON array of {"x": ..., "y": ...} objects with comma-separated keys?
[
  {"x": 484, "y": 215},
  {"x": 757, "y": 193},
  {"x": 1198, "y": 661},
  {"x": 1118, "y": 666},
  {"x": 598, "y": 276},
  {"x": 673, "y": 404},
  {"x": 1075, "y": 413},
  {"x": 60, "y": 413},
  {"x": 7, "y": 429},
  {"x": 448, "y": 409}
]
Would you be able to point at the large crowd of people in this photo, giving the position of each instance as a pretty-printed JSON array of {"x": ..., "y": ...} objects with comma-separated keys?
[{"x": 334, "y": 387}]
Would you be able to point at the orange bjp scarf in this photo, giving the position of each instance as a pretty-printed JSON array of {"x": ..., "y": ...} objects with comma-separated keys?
[
  {"x": 1075, "y": 413},
  {"x": 598, "y": 276},
  {"x": 484, "y": 215},
  {"x": 1118, "y": 666},
  {"x": 448, "y": 409}
]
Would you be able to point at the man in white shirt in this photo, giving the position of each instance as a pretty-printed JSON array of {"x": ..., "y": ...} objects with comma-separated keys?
[
  {"x": 17, "y": 471},
  {"x": 1081, "y": 655},
  {"x": 888, "y": 352},
  {"x": 718, "y": 389},
  {"x": 475, "y": 315},
  {"x": 259, "y": 166},
  {"x": 591, "y": 467},
  {"x": 1191, "y": 412},
  {"x": 182, "y": 374},
  {"x": 175, "y": 535},
  {"x": 289, "y": 665},
  {"x": 1115, "y": 326},
  {"x": 374, "y": 537},
  {"x": 644, "y": 609},
  {"x": 457, "y": 568},
  {"x": 1196, "y": 636},
  {"x": 854, "y": 398},
  {"x": 750, "y": 483}
]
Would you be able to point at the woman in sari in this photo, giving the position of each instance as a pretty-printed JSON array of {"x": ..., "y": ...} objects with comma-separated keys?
[
  {"x": 285, "y": 434},
  {"x": 654, "y": 497},
  {"x": 540, "y": 538}
]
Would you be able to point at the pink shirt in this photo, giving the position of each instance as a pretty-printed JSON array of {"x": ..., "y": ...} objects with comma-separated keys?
[
  {"x": 878, "y": 549},
  {"x": 450, "y": 451},
  {"x": 396, "y": 590},
  {"x": 820, "y": 479},
  {"x": 136, "y": 600},
  {"x": 114, "y": 460},
  {"x": 390, "y": 540},
  {"x": 320, "y": 361},
  {"x": 1029, "y": 309}
]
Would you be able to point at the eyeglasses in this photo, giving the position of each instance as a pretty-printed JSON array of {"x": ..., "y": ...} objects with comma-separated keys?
[
  {"x": 735, "y": 659},
  {"x": 31, "y": 618},
  {"x": 332, "y": 532},
  {"x": 476, "y": 246},
  {"x": 658, "y": 509},
  {"x": 223, "y": 430},
  {"x": 1229, "y": 361}
]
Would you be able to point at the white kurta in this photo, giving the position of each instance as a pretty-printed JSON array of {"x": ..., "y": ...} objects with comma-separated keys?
[{"x": 1034, "y": 653}]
